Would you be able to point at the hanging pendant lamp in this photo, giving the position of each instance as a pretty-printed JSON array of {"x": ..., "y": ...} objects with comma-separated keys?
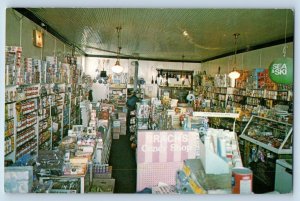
[
  {"x": 235, "y": 74},
  {"x": 182, "y": 77},
  {"x": 117, "y": 68}
]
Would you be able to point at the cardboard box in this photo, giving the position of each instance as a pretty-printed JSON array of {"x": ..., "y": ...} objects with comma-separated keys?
[
  {"x": 122, "y": 116},
  {"x": 102, "y": 175},
  {"x": 193, "y": 168},
  {"x": 116, "y": 123},
  {"x": 102, "y": 186},
  {"x": 116, "y": 136},
  {"x": 116, "y": 130},
  {"x": 123, "y": 131}
]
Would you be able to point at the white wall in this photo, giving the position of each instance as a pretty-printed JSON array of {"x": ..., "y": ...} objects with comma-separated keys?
[
  {"x": 147, "y": 69},
  {"x": 261, "y": 58},
  {"x": 19, "y": 32}
]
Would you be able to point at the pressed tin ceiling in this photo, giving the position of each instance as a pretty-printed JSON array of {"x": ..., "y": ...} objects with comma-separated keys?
[{"x": 199, "y": 34}]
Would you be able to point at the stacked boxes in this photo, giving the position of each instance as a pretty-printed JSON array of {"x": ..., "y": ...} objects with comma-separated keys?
[
  {"x": 13, "y": 69},
  {"x": 265, "y": 82},
  {"x": 254, "y": 78},
  {"x": 36, "y": 73},
  {"x": 122, "y": 118},
  {"x": 85, "y": 112},
  {"x": 28, "y": 70},
  {"x": 32, "y": 68},
  {"x": 116, "y": 128},
  {"x": 119, "y": 125}
]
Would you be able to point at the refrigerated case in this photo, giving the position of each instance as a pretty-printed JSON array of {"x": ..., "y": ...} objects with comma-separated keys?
[{"x": 284, "y": 176}]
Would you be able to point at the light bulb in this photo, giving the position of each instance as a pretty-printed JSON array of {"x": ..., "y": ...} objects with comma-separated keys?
[
  {"x": 117, "y": 68},
  {"x": 234, "y": 75}
]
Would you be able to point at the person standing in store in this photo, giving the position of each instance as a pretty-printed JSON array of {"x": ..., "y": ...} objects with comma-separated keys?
[{"x": 91, "y": 95}]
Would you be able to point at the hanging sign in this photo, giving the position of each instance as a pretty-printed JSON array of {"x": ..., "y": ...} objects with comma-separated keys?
[{"x": 281, "y": 71}]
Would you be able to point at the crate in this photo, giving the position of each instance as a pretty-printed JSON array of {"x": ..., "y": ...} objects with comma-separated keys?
[{"x": 102, "y": 186}]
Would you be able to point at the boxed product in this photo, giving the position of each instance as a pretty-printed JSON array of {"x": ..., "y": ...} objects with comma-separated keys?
[
  {"x": 116, "y": 129},
  {"x": 103, "y": 122},
  {"x": 18, "y": 179},
  {"x": 91, "y": 131},
  {"x": 194, "y": 169},
  {"x": 116, "y": 123},
  {"x": 122, "y": 116},
  {"x": 123, "y": 130},
  {"x": 116, "y": 135},
  {"x": 50, "y": 162},
  {"x": 175, "y": 120},
  {"x": 62, "y": 185},
  {"x": 103, "y": 186},
  {"x": 102, "y": 171}
]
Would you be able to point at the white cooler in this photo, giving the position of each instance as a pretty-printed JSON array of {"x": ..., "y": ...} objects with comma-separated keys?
[{"x": 284, "y": 176}]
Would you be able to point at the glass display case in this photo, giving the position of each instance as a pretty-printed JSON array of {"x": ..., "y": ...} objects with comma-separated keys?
[
  {"x": 269, "y": 134},
  {"x": 262, "y": 143}
]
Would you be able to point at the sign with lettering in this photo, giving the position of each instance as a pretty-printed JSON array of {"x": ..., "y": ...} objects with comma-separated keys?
[
  {"x": 281, "y": 71},
  {"x": 166, "y": 146},
  {"x": 160, "y": 154}
]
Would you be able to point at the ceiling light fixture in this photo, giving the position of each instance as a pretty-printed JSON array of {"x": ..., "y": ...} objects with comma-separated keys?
[
  {"x": 235, "y": 74},
  {"x": 117, "y": 68},
  {"x": 182, "y": 77}
]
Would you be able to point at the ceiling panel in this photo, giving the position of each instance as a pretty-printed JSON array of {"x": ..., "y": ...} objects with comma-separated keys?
[{"x": 158, "y": 33}]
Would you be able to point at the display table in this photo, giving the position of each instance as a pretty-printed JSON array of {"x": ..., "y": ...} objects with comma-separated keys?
[{"x": 84, "y": 178}]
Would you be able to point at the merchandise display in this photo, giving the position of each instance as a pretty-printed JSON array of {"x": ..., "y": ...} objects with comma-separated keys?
[
  {"x": 18, "y": 179},
  {"x": 157, "y": 124}
]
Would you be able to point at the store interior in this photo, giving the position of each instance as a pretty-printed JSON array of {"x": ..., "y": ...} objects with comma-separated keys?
[{"x": 149, "y": 101}]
